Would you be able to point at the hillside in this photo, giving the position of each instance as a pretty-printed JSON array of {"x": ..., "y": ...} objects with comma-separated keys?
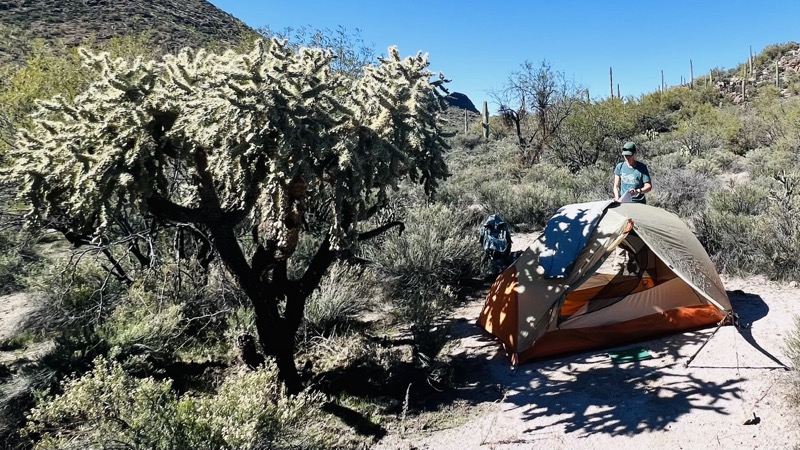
[
  {"x": 777, "y": 65},
  {"x": 172, "y": 23}
]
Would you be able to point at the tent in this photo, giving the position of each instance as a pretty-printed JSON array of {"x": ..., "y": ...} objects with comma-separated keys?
[{"x": 558, "y": 298}]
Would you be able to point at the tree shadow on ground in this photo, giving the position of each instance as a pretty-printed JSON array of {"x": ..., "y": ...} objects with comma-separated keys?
[
  {"x": 587, "y": 392},
  {"x": 618, "y": 400}
]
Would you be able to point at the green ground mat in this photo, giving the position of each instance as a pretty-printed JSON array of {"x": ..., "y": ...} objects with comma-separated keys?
[{"x": 630, "y": 354}]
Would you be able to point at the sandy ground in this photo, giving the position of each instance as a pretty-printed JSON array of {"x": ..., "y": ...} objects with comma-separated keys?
[
  {"x": 587, "y": 402},
  {"x": 13, "y": 309},
  {"x": 735, "y": 394}
]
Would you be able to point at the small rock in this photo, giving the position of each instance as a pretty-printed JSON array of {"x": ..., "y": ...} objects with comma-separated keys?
[{"x": 794, "y": 284}]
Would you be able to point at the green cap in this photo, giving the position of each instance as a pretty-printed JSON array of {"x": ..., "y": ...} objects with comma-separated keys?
[{"x": 629, "y": 149}]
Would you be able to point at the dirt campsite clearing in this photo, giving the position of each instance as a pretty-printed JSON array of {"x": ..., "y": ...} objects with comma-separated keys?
[{"x": 736, "y": 393}]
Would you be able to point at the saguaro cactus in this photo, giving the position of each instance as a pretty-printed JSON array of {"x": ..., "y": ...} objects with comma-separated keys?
[
  {"x": 611, "y": 80},
  {"x": 486, "y": 120}
]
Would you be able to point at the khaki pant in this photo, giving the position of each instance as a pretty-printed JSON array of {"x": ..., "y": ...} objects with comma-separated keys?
[{"x": 624, "y": 260}]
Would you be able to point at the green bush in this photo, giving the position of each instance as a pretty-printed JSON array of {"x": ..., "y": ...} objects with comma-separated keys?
[
  {"x": 683, "y": 192},
  {"x": 669, "y": 160},
  {"x": 18, "y": 261},
  {"x": 780, "y": 242},
  {"x": 145, "y": 317},
  {"x": 343, "y": 295},
  {"x": 730, "y": 215},
  {"x": 109, "y": 407},
  {"x": 793, "y": 350},
  {"x": 422, "y": 268},
  {"x": 726, "y": 161},
  {"x": 75, "y": 295},
  {"x": 704, "y": 167}
]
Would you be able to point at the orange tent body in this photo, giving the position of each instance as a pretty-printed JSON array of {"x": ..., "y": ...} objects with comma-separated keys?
[{"x": 675, "y": 288}]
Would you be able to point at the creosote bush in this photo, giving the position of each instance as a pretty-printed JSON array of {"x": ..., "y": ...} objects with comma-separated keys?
[
  {"x": 18, "y": 260},
  {"x": 423, "y": 267},
  {"x": 681, "y": 191},
  {"x": 343, "y": 295},
  {"x": 109, "y": 407},
  {"x": 730, "y": 215}
]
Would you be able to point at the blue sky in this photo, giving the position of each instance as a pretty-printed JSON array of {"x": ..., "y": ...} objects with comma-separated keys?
[{"x": 478, "y": 45}]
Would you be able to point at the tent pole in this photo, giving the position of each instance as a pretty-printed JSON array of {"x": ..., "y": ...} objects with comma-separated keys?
[{"x": 719, "y": 325}]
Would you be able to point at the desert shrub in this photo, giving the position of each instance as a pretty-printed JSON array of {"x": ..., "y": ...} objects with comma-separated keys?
[
  {"x": 344, "y": 293},
  {"x": 594, "y": 183},
  {"x": 108, "y": 407},
  {"x": 671, "y": 161},
  {"x": 75, "y": 296},
  {"x": 704, "y": 167},
  {"x": 793, "y": 350},
  {"x": 422, "y": 267},
  {"x": 731, "y": 215},
  {"x": 466, "y": 141},
  {"x": 655, "y": 112},
  {"x": 523, "y": 205},
  {"x": 18, "y": 260},
  {"x": 563, "y": 187},
  {"x": 700, "y": 132},
  {"x": 475, "y": 177},
  {"x": 422, "y": 272},
  {"x": 770, "y": 122},
  {"x": 660, "y": 146},
  {"x": 748, "y": 130},
  {"x": 793, "y": 84},
  {"x": 489, "y": 180},
  {"x": 145, "y": 318},
  {"x": 681, "y": 191},
  {"x": 779, "y": 242},
  {"x": 770, "y": 163},
  {"x": 490, "y": 160},
  {"x": 725, "y": 160},
  {"x": 357, "y": 364}
]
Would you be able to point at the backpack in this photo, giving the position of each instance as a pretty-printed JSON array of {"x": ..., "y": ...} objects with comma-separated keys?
[{"x": 495, "y": 237}]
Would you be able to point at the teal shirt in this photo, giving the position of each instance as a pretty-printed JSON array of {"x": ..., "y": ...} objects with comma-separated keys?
[{"x": 632, "y": 178}]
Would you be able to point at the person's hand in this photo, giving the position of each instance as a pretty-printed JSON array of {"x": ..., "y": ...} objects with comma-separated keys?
[{"x": 633, "y": 191}]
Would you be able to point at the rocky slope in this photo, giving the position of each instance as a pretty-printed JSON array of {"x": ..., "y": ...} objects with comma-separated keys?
[{"x": 172, "y": 24}]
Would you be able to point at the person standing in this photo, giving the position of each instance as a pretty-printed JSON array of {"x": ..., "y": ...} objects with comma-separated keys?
[{"x": 631, "y": 176}]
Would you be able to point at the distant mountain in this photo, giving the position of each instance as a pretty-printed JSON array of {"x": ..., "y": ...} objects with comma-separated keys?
[
  {"x": 173, "y": 24},
  {"x": 460, "y": 100}
]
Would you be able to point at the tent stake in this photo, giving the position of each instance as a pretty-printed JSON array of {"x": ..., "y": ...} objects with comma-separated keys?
[{"x": 719, "y": 325}]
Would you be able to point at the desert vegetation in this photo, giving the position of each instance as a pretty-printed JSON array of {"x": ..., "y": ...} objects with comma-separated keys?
[{"x": 260, "y": 247}]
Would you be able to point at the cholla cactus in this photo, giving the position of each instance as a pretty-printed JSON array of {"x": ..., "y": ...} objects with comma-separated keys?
[{"x": 219, "y": 139}]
